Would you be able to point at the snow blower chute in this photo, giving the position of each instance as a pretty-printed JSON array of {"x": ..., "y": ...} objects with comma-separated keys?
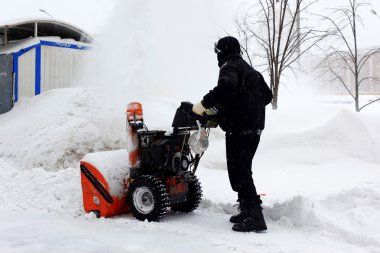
[{"x": 155, "y": 173}]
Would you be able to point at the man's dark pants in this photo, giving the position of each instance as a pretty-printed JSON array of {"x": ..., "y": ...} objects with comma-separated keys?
[{"x": 241, "y": 149}]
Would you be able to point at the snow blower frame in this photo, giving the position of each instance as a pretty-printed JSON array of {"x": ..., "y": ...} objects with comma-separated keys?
[{"x": 162, "y": 169}]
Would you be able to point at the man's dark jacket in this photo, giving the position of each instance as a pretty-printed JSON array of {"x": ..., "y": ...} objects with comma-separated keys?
[{"x": 233, "y": 113}]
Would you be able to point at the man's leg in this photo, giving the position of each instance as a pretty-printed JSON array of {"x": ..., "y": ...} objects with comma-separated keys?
[{"x": 240, "y": 152}]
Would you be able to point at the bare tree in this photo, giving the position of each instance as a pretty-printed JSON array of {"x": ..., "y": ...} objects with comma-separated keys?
[
  {"x": 275, "y": 26},
  {"x": 350, "y": 60}
]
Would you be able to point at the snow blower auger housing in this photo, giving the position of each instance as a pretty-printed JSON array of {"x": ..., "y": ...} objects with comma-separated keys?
[{"x": 160, "y": 171}]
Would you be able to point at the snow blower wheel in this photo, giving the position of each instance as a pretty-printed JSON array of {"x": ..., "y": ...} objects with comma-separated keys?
[
  {"x": 194, "y": 197},
  {"x": 148, "y": 199}
]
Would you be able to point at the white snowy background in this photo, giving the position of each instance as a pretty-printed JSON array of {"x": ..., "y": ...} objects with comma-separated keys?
[{"x": 318, "y": 162}]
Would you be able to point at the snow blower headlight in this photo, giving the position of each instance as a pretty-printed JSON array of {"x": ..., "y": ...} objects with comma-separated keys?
[{"x": 198, "y": 141}]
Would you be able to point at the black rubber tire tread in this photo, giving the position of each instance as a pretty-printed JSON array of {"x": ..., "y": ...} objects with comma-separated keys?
[
  {"x": 194, "y": 197},
  {"x": 160, "y": 195}
]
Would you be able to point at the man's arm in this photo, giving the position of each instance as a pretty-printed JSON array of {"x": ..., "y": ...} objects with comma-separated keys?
[{"x": 226, "y": 88}]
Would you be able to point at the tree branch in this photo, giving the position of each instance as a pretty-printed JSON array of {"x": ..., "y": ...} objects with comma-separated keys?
[{"x": 361, "y": 108}]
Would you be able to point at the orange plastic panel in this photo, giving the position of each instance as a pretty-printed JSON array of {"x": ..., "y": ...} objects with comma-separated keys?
[
  {"x": 133, "y": 150},
  {"x": 134, "y": 112},
  {"x": 176, "y": 186},
  {"x": 94, "y": 201}
]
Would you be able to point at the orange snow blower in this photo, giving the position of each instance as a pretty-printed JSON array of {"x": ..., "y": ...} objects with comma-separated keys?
[{"x": 155, "y": 173}]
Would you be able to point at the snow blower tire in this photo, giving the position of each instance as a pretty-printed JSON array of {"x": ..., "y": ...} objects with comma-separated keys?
[
  {"x": 194, "y": 197},
  {"x": 147, "y": 198}
]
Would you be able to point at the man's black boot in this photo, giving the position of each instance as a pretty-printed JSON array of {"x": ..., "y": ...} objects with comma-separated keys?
[
  {"x": 243, "y": 212},
  {"x": 240, "y": 217},
  {"x": 253, "y": 223}
]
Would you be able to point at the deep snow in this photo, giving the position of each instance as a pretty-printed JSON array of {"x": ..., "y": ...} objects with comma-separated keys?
[{"x": 318, "y": 166}]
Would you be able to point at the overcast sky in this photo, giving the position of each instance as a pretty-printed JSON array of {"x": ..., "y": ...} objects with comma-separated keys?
[{"x": 92, "y": 15}]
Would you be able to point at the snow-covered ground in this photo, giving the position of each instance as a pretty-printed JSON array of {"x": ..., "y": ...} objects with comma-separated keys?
[{"x": 318, "y": 166}]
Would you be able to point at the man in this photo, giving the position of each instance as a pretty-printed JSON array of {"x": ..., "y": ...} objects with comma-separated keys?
[{"x": 241, "y": 115}]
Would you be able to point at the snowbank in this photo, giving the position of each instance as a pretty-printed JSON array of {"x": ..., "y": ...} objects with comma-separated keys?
[
  {"x": 297, "y": 212},
  {"x": 37, "y": 189},
  {"x": 349, "y": 216},
  {"x": 57, "y": 128},
  {"x": 331, "y": 137},
  {"x": 312, "y": 136}
]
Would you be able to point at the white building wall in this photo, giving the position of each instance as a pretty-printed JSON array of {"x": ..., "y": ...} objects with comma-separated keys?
[
  {"x": 61, "y": 67},
  {"x": 27, "y": 73}
]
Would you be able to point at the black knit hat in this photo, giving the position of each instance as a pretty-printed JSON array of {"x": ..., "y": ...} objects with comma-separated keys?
[{"x": 227, "y": 46}]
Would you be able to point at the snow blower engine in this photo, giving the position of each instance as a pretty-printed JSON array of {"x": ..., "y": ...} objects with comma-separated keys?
[{"x": 160, "y": 171}]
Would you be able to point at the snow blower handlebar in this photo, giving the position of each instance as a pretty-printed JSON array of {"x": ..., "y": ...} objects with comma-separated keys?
[{"x": 186, "y": 118}]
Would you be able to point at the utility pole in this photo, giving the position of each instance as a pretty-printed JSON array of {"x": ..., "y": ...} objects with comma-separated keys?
[{"x": 47, "y": 13}]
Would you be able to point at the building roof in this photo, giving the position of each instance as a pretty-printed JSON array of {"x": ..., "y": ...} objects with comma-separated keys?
[
  {"x": 20, "y": 45},
  {"x": 21, "y": 29}
]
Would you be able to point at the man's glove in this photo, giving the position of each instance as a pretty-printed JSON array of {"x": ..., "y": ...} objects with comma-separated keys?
[{"x": 198, "y": 108}]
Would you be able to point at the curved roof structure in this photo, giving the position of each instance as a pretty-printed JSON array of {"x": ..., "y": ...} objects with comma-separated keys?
[{"x": 39, "y": 27}]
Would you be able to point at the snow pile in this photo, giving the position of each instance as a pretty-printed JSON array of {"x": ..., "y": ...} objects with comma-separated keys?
[
  {"x": 37, "y": 189},
  {"x": 320, "y": 135},
  {"x": 349, "y": 216},
  {"x": 354, "y": 213},
  {"x": 113, "y": 165},
  {"x": 56, "y": 129},
  {"x": 346, "y": 135},
  {"x": 297, "y": 212}
]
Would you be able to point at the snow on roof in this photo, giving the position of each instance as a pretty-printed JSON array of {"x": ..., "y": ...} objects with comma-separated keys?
[
  {"x": 24, "y": 28},
  {"x": 17, "y": 46}
]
